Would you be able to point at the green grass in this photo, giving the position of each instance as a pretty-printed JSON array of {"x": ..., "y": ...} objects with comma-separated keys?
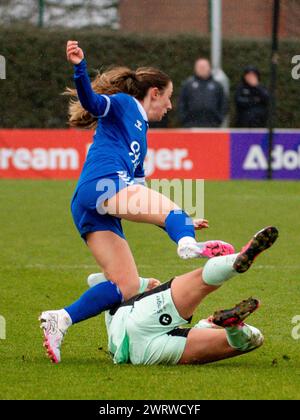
[{"x": 44, "y": 264}]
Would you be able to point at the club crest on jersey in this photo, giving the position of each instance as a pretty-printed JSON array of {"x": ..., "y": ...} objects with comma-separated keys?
[{"x": 139, "y": 125}]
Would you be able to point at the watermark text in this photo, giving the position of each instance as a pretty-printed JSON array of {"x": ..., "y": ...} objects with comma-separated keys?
[
  {"x": 2, "y": 328},
  {"x": 2, "y": 67},
  {"x": 296, "y": 68},
  {"x": 296, "y": 329},
  {"x": 124, "y": 197}
]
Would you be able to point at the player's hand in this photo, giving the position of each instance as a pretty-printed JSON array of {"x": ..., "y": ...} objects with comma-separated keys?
[
  {"x": 74, "y": 52},
  {"x": 200, "y": 224},
  {"x": 152, "y": 284}
]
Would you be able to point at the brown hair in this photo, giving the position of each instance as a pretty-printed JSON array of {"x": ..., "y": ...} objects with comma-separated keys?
[{"x": 116, "y": 80}]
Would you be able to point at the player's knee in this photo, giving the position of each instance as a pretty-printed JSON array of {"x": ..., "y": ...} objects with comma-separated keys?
[{"x": 128, "y": 286}]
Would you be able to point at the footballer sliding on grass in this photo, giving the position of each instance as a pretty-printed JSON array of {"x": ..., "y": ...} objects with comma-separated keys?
[{"x": 147, "y": 329}]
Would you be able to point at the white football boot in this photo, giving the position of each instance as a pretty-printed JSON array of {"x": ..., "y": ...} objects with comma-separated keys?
[
  {"x": 54, "y": 325},
  {"x": 189, "y": 248}
]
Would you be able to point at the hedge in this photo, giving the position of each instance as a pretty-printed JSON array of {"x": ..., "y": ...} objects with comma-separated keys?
[{"x": 37, "y": 71}]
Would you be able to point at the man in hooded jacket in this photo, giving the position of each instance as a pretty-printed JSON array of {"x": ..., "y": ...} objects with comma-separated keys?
[{"x": 251, "y": 100}]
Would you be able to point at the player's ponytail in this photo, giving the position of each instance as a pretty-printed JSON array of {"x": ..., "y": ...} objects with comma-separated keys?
[{"x": 116, "y": 80}]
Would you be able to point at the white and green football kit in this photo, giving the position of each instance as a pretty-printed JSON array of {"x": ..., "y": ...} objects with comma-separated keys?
[{"x": 145, "y": 330}]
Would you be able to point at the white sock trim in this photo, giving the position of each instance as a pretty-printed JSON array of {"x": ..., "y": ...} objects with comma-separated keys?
[
  {"x": 66, "y": 319},
  {"x": 186, "y": 240}
]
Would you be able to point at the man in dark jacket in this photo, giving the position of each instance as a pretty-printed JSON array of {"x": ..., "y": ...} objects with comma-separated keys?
[
  {"x": 202, "y": 101},
  {"x": 251, "y": 100}
]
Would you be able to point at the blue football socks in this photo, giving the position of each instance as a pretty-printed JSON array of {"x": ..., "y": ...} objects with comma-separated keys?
[
  {"x": 99, "y": 298},
  {"x": 178, "y": 225}
]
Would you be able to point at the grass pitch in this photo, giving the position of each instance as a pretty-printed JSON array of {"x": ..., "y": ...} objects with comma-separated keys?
[{"x": 44, "y": 265}]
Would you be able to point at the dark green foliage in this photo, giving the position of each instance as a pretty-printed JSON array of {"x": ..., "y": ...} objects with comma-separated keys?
[{"x": 37, "y": 71}]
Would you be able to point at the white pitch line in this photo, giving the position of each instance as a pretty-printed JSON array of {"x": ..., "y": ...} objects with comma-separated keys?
[
  {"x": 54, "y": 266},
  {"x": 269, "y": 266},
  {"x": 94, "y": 266},
  {"x": 67, "y": 266}
]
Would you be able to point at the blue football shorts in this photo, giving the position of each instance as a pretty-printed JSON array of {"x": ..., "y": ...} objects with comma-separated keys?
[{"x": 87, "y": 204}]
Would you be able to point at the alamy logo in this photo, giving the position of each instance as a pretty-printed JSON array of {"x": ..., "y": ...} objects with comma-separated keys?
[
  {"x": 296, "y": 69},
  {"x": 2, "y": 328},
  {"x": 296, "y": 329},
  {"x": 2, "y": 67}
]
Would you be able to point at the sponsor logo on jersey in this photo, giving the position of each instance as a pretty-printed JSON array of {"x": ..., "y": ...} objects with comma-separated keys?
[
  {"x": 165, "y": 319},
  {"x": 135, "y": 153}
]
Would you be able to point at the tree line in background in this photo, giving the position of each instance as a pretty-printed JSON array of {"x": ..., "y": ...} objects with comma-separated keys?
[{"x": 37, "y": 70}]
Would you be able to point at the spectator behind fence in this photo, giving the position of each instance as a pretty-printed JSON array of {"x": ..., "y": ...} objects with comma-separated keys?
[
  {"x": 251, "y": 100},
  {"x": 202, "y": 101}
]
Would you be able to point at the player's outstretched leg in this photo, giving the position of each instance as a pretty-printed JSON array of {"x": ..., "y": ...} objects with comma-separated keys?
[
  {"x": 197, "y": 285},
  {"x": 240, "y": 336},
  {"x": 207, "y": 344},
  {"x": 261, "y": 241},
  {"x": 180, "y": 229},
  {"x": 218, "y": 270},
  {"x": 55, "y": 323},
  {"x": 157, "y": 209},
  {"x": 237, "y": 314}
]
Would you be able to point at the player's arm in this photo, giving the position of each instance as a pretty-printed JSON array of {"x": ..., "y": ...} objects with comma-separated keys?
[{"x": 97, "y": 105}]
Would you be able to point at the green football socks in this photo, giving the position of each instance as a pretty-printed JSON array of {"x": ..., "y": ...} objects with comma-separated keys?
[
  {"x": 244, "y": 337},
  {"x": 217, "y": 270}
]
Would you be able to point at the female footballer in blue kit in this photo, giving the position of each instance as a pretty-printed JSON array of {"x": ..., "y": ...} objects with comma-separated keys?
[{"x": 119, "y": 103}]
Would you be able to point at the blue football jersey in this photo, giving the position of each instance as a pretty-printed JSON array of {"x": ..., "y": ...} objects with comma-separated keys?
[{"x": 119, "y": 142}]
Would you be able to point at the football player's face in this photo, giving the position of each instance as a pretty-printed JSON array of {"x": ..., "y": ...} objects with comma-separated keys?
[{"x": 161, "y": 103}]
